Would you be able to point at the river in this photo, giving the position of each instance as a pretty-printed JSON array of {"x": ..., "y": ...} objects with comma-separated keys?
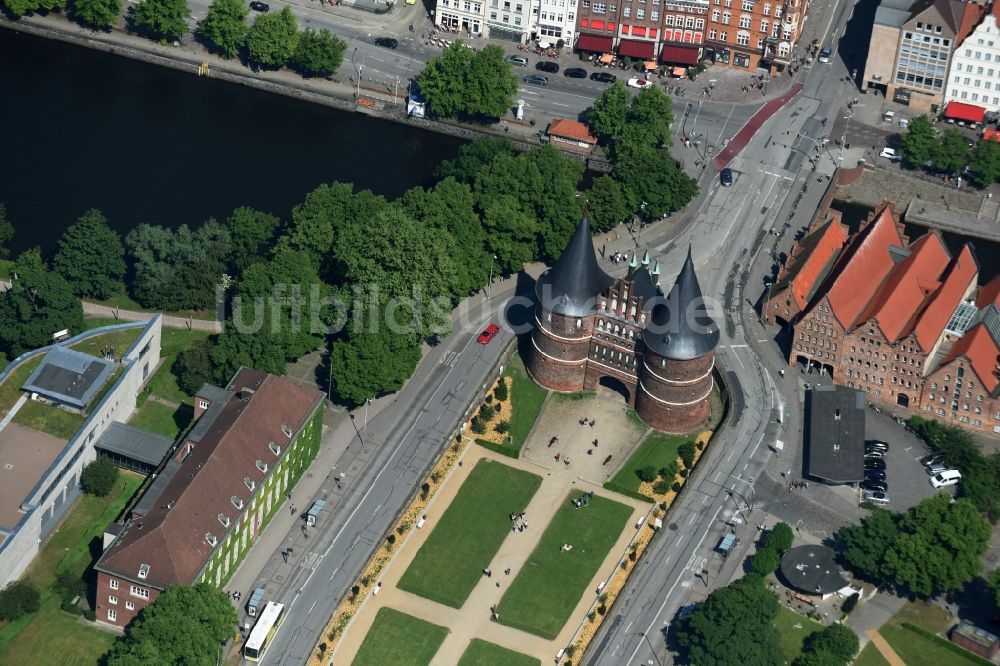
[{"x": 83, "y": 129}]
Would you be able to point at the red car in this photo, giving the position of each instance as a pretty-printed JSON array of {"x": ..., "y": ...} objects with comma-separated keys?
[{"x": 488, "y": 334}]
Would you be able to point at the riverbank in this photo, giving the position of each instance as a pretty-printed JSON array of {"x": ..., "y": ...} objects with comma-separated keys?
[{"x": 334, "y": 93}]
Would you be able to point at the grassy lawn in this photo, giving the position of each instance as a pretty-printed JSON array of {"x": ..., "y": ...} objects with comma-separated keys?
[
  {"x": 120, "y": 341},
  {"x": 470, "y": 532},
  {"x": 526, "y": 402},
  {"x": 870, "y": 656},
  {"x": 125, "y": 302},
  {"x": 90, "y": 323},
  {"x": 74, "y": 546},
  {"x": 926, "y": 616},
  {"x": 49, "y": 418},
  {"x": 918, "y": 650},
  {"x": 156, "y": 417},
  {"x": 793, "y": 630},
  {"x": 163, "y": 382},
  {"x": 542, "y": 597},
  {"x": 482, "y": 653},
  {"x": 655, "y": 451},
  {"x": 10, "y": 390},
  {"x": 399, "y": 639}
]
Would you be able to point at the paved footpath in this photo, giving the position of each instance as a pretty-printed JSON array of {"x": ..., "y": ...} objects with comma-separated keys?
[{"x": 884, "y": 648}]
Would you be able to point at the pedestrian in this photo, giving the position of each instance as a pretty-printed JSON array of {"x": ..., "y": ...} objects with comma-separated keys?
[
  {"x": 592, "y": 422},
  {"x": 595, "y": 443},
  {"x": 507, "y": 571},
  {"x": 590, "y": 452},
  {"x": 498, "y": 583}
]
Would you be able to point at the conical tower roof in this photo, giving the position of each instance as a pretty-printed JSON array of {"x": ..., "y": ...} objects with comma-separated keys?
[
  {"x": 680, "y": 327},
  {"x": 571, "y": 286}
]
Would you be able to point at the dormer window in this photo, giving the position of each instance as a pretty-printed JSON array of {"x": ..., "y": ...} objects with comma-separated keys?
[
  {"x": 288, "y": 431},
  {"x": 224, "y": 519},
  {"x": 237, "y": 502},
  {"x": 210, "y": 538},
  {"x": 275, "y": 449},
  {"x": 248, "y": 482},
  {"x": 262, "y": 466},
  {"x": 143, "y": 571}
]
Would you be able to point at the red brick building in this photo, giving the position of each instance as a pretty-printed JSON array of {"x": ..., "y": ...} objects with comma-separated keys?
[
  {"x": 643, "y": 29},
  {"x": 754, "y": 33},
  {"x": 591, "y": 329}
]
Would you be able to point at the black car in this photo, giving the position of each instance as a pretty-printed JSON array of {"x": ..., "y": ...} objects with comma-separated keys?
[
  {"x": 547, "y": 66},
  {"x": 871, "y": 484},
  {"x": 874, "y": 475},
  {"x": 536, "y": 79},
  {"x": 874, "y": 454},
  {"x": 260, "y": 7},
  {"x": 932, "y": 459},
  {"x": 387, "y": 42},
  {"x": 603, "y": 77},
  {"x": 726, "y": 177},
  {"x": 876, "y": 444},
  {"x": 875, "y": 464},
  {"x": 575, "y": 73}
]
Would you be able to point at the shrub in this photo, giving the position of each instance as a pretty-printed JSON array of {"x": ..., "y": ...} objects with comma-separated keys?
[
  {"x": 355, "y": 591},
  {"x": 686, "y": 452},
  {"x": 501, "y": 390},
  {"x": 780, "y": 538},
  {"x": 69, "y": 586},
  {"x": 17, "y": 599},
  {"x": 676, "y": 487},
  {"x": 765, "y": 562},
  {"x": 661, "y": 487},
  {"x": 489, "y": 398},
  {"x": 486, "y": 412},
  {"x": 502, "y": 427},
  {"x": 701, "y": 446},
  {"x": 389, "y": 540},
  {"x": 99, "y": 477},
  {"x": 425, "y": 489},
  {"x": 69, "y": 607},
  {"x": 669, "y": 471},
  {"x": 684, "y": 473},
  {"x": 602, "y": 609},
  {"x": 478, "y": 426},
  {"x": 646, "y": 474},
  {"x": 836, "y": 639},
  {"x": 90, "y": 614}
]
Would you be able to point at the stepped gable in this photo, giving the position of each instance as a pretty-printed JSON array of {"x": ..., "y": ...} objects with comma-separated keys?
[
  {"x": 982, "y": 352},
  {"x": 680, "y": 327},
  {"x": 570, "y": 288},
  {"x": 812, "y": 258}
]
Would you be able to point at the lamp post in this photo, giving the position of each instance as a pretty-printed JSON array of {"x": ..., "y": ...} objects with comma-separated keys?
[
  {"x": 489, "y": 285},
  {"x": 360, "y": 68},
  {"x": 651, "y": 648},
  {"x": 843, "y": 137},
  {"x": 367, "y": 402}
]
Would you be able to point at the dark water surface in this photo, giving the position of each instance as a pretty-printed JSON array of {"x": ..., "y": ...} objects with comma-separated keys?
[{"x": 81, "y": 129}]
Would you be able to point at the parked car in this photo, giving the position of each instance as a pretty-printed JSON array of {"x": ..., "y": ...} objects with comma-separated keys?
[
  {"x": 386, "y": 42},
  {"x": 726, "y": 177},
  {"x": 876, "y": 497},
  {"x": 874, "y": 475},
  {"x": 876, "y": 444},
  {"x": 487, "y": 335},
  {"x": 575, "y": 73},
  {"x": 890, "y": 154},
  {"x": 871, "y": 454},
  {"x": 261, "y": 7},
  {"x": 537, "y": 80},
  {"x": 949, "y": 477},
  {"x": 520, "y": 61},
  {"x": 932, "y": 459},
  {"x": 639, "y": 83},
  {"x": 603, "y": 77},
  {"x": 871, "y": 463},
  {"x": 871, "y": 484},
  {"x": 547, "y": 66},
  {"x": 824, "y": 55},
  {"x": 937, "y": 468}
]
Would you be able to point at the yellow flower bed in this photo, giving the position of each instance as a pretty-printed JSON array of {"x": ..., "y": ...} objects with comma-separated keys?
[{"x": 491, "y": 435}]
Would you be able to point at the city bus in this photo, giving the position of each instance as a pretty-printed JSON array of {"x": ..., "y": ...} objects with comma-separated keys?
[{"x": 263, "y": 632}]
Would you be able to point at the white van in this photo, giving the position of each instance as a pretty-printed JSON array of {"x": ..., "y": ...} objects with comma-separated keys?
[
  {"x": 889, "y": 154},
  {"x": 949, "y": 477}
]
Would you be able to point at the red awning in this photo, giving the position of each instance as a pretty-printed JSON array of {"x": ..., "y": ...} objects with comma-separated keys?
[
  {"x": 594, "y": 43},
  {"x": 679, "y": 55},
  {"x": 968, "y": 112},
  {"x": 639, "y": 50}
]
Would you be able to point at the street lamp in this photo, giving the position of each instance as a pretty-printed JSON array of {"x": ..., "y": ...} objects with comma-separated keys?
[
  {"x": 843, "y": 137},
  {"x": 367, "y": 402},
  {"x": 360, "y": 68},
  {"x": 489, "y": 285},
  {"x": 651, "y": 648}
]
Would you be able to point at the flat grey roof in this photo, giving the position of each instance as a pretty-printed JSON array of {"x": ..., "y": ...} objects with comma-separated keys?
[
  {"x": 935, "y": 216},
  {"x": 834, "y": 434},
  {"x": 213, "y": 393},
  {"x": 124, "y": 440},
  {"x": 25, "y": 454},
  {"x": 69, "y": 376},
  {"x": 156, "y": 488}
]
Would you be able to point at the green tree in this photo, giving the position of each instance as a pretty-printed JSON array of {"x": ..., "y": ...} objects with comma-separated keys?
[
  {"x": 919, "y": 143},
  {"x": 733, "y": 626},
  {"x": 91, "y": 257},
  {"x": 952, "y": 152},
  {"x": 21, "y": 7},
  {"x": 837, "y": 639},
  {"x": 765, "y": 561},
  {"x": 985, "y": 162},
  {"x": 606, "y": 203},
  {"x": 607, "y": 118},
  {"x": 367, "y": 363},
  {"x": 6, "y": 232},
  {"x": 473, "y": 157},
  {"x": 939, "y": 547},
  {"x": 650, "y": 176},
  {"x": 686, "y": 453},
  {"x": 319, "y": 53},
  {"x": 442, "y": 80},
  {"x": 646, "y": 474},
  {"x": 99, "y": 477},
  {"x": 39, "y": 303},
  {"x": 97, "y": 14},
  {"x": 234, "y": 349},
  {"x": 225, "y": 26},
  {"x": 320, "y": 219},
  {"x": 649, "y": 117},
  {"x": 68, "y": 585},
  {"x": 160, "y": 19},
  {"x": 272, "y": 39},
  {"x": 489, "y": 84},
  {"x": 865, "y": 545},
  {"x": 17, "y": 599},
  {"x": 993, "y": 580},
  {"x": 780, "y": 538},
  {"x": 185, "y": 625},
  {"x": 821, "y": 658},
  {"x": 193, "y": 367},
  {"x": 251, "y": 234}
]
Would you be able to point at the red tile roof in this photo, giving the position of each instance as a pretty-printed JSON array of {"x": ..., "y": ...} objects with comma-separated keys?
[
  {"x": 978, "y": 348},
  {"x": 172, "y": 540},
  {"x": 867, "y": 264},
  {"x": 831, "y": 237},
  {"x": 972, "y": 13},
  {"x": 908, "y": 287},
  {"x": 989, "y": 293},
  {"x": 991, "y": 134},
  {"x": 571, "y": 129},
  {"x": 934, "y": 318}
]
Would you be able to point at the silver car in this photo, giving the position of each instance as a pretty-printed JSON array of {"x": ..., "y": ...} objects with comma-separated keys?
[{"x": 876, "y": 497}]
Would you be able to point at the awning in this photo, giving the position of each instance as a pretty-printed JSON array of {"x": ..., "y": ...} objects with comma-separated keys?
[
  {"x": 594, "y": 43},
  {"x": 679, "y": 55},
  {"x": 634, "y": 49},
  {"x": 649, "y": 64},
  {"x": 607, "y": 58},
  {"x": 679, "y": 71},
  {"x": 968, "y": 112}
]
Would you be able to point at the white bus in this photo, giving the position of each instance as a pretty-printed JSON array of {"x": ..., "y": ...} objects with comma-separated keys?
[{"x": 263, "y": 632}]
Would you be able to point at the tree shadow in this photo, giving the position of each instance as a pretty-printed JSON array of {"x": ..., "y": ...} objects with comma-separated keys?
[{"x": 976, "y": 604}]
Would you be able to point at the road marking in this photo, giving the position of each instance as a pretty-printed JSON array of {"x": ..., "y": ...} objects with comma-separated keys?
[
  {"x": 628, "y": 627},
  {"x": 704, "y": 500},
  {"x": 313, "y": 606},
  {"x": 334, "y": 573},
  {"x": 692, "y": 518},
  {"x": 717, "y": 475}
]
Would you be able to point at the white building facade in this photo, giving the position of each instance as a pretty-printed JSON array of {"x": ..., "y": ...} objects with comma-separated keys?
[
  {"x": 468, "y": 17},
  {"x": 974, "y": 76},
  {"x": 508, "y": 19},
  {"x": 552, "y": 20}
]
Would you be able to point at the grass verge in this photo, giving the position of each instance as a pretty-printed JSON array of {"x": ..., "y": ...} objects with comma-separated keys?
[
  {"x": 10, "y": 390},
  {"x": 793, "y": 629},
  {"x": 163, "y": 382},
  {"x": 399, "y": 639},
  {"x": 526, "y": 402},
  {"x": 120, "y": 341},
  {"x": 870, "y": 656},
  {"x": 469, "y": 533},
  {"x": 483, "y": 653},
  {"x": 656, "y": 451},
  {"x": 162, "y": 419},
  {"x": 49, "y": 418}
]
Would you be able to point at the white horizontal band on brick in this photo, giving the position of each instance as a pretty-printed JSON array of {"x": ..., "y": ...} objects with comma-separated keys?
[
  {"x": 557, "y": 360},
  {"x": 554, "y": 335},
  {"x": 674, "y": 381},
  {"x": 677, "y": 404},
  {"x": 614, "y": 369}
]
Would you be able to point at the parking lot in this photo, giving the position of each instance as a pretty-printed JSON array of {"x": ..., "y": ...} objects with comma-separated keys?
[{"x": 908, "y": 482}]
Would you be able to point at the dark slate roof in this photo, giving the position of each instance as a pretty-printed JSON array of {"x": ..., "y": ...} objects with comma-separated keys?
[
  {"x": 812, "y": 569},
  {"x": 213, "y": 393},
  {"x": 643, "y": 284},
  {"x": 69, "y": 376},
  {"x": 133, "y": 443},
  {"x": 835, "y": 434},
  {"x": 571, "y": 286},
  {"x": 680, "y": 327}
]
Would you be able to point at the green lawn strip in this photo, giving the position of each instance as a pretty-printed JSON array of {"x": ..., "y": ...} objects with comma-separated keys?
[
  {"x": 10, "y": 390},
  {"x": 123, "y": 301},
  {"x": 53, "y": 632},
  {"x": 163, "y": 382},
  {"x": 526, "y": 402},
  {"x": 399, "y": 639},
  {"x": 119, "y": 341},
  {"x": 917, "y": 649},
  {"x": 923, "y": 614},
  {"x": 870, "y": 656},
  {"x": 483, "y": 653},
  {"x": 548, "y": 587},
  {"x": 49, "y": 418},
  {"x": 156, "y": 417},
  {"x": 793, "y": 630},
  {"x": 655, "y": 451},
  {"x": 469, "y": 533},
  {"x": 90, "y": 323}
]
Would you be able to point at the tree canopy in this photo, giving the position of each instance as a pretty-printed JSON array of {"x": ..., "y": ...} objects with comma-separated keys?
[
  {"x": 39, "y": 303},
  {"x": 22, "y": 7},
  {"x": 98, "y": 14},
  {"x": 985, "y": 162},
  {"x": 160, "y": 19},
  {"x": 836, "y": 640},
  {"x": 273, "y": 38},
  {"x": 952, "y": 152},
  {"x": 99, "y": 477},
  {"x": 919, "y": 143},
  {"x": 463, "y": 82},
  {"x": 225, "y": 26},
  {"x": 319, "y": 53},
  {"x": 193, "y": 367},
  {"x": 606, "y": 203},
  {"x": 251, "y": 235},
  {"x": 6, "y": 232},
  {"x": 369, "y": 362},
  {"x": 607, "y": 118},
  {"x": 91, "y": 257}
]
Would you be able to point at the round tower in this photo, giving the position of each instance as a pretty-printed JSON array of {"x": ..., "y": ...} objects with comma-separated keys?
[
  {"x": 679, "y": 341},
  {"x": 565, "y": 314}
]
